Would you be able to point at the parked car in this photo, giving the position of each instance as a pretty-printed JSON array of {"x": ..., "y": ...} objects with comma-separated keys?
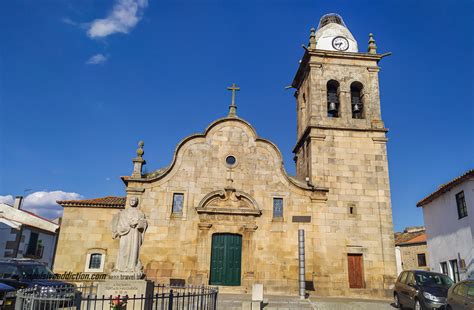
[
  {"x": 461, "y": 296},
  {"x": 21, "y": 273},
  {"x": 7, "y": 297},
  {"x": 34, "y": 276},
  {"x": 421, "y": 290}
]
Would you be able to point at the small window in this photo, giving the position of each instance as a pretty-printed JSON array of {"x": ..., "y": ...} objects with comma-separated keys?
[
  {"x": 421, "y": 260},
  {"x": 444, "y": 268},
  {"x": 461, "y": 203},
  {"x": 230, "y": 161},
  {"x": 277, "y": 207},
  {"x": 352, "y": 209},
  {"x": 178, "y": 201},
  {"x": 357, "y": 106},
  {"x": 95, "y": 261},
  {"x": 455, "y": 269},
  {"x": 32, "y": 244},
  {"x": 411, "y": 278},
  {"x": 333, "y": 98}
]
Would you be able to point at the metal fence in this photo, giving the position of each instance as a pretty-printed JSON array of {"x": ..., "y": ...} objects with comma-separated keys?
[{"x": 164, "y": 297}]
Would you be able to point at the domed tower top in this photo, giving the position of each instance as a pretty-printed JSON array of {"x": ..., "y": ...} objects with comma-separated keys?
[{"x": 333, "y": 35}]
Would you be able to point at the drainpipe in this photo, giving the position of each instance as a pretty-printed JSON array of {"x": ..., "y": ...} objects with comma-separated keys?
[{"x": 301, "y": 261}]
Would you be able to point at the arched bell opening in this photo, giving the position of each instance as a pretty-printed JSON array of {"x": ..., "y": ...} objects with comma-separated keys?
[
  {"x": 357, "y": 104},
  {"x": 333, "y": 98}
]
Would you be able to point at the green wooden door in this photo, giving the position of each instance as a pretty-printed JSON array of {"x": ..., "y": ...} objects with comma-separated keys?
[{"x": 226, "y": 258}]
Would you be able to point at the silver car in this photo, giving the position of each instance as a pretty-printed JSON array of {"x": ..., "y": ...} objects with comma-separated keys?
[{"x": 461, "y": 296}]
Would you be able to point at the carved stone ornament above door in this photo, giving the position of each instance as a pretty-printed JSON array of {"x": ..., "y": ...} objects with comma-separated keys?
[{"x": 229, "y": 201}]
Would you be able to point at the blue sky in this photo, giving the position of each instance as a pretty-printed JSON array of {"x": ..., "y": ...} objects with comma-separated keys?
[{"x": 79, "y": 86}]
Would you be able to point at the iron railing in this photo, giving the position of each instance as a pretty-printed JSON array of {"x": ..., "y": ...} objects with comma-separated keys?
[{"x": 164, "y": 297}]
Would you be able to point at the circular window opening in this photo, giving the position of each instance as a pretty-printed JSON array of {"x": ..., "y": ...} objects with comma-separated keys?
[{"x": 230, "y": 160}]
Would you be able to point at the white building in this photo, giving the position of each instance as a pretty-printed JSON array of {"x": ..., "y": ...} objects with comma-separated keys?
[
  {"x": 449, "y": 220},
  {"x": 26, "y": 235}
]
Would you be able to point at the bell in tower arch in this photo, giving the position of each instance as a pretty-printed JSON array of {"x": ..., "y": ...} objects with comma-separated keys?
[
  {"x": 332, "y": 107},
  {"x": 356, "y": 99},
  {"x": 333, "y": 98}
]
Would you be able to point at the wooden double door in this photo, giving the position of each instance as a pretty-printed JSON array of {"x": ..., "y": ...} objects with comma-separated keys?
[{"x": 226, "y": 259}]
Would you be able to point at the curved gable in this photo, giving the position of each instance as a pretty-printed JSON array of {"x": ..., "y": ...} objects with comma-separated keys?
[{"x": 224, "y": 137}]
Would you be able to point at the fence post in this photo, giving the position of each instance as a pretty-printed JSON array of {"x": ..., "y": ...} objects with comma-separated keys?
[
  {"x": 215, "y": 299},
  {"x": 170, "y": 301},
  {"x": 202, "y": 297}
]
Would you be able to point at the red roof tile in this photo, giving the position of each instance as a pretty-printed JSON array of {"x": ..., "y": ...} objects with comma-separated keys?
[
  {"x": 403, "y": 238},
  {"x": 445, "y": 187},
  {"x": 418, "y": 239},
  {"x": 105, "y": 202}
]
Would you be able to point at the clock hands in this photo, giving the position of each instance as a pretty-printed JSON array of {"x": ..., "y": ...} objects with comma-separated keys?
[{"x": 340, "y": 43}]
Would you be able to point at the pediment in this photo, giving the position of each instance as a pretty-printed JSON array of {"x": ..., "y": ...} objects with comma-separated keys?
[{"x": 229, "y": 201}]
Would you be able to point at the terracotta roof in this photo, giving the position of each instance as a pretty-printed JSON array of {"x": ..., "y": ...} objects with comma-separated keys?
[
  {"x": 445, "y": 187},
  {"x": 419, "y": 239},
  {"x": 405, "y": 238},
  {"x": 105, "y": 202}
]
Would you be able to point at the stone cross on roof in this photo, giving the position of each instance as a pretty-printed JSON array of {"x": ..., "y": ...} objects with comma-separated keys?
[{"x": 233, "y": 107}]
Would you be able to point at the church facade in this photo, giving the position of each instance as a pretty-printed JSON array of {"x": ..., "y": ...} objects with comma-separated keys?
[{"x": 225, "y": 212}]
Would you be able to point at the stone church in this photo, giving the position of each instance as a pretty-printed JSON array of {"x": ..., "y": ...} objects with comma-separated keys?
[{"x": 225, "y": 212}]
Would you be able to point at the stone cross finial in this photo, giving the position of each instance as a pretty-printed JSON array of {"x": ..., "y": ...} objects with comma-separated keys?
[
  {"x": 372, "y": 47},
  {"x": 312, "y": 39},
  {"x": 233, "y": 107},
  {"x": 138, "y": 161}
]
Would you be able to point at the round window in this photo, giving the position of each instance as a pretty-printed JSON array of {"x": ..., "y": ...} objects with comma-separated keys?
[{"x": 230, "y": 160}]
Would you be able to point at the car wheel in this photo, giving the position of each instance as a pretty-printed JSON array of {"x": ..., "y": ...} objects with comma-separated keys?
[
  {"x": 448, "y": 307},
  {"x": 396, "y": 301},
  {"x": 418, "y": 305}
]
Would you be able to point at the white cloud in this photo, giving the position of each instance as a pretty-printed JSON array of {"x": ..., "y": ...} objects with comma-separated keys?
[
  {"x": 8, "y": 199},
  {"x": 124, "y": 16},
  {"x": 43, "y": 203},
  {"x": 69, "y": 21},
  {"x": 97, "y": 59}
]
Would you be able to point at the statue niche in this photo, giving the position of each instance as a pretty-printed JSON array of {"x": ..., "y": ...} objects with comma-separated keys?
[{"x": 228, "y": 201}]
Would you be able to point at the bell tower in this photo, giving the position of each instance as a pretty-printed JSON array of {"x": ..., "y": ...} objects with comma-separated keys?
[
  {"x": 337, "y": 95},
  {"x": 341, "y": 141}
]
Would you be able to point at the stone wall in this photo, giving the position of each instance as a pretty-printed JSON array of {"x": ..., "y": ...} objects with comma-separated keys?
[
  {"x": 82, "y": 231},
  {"x": 409, "y": 256}
]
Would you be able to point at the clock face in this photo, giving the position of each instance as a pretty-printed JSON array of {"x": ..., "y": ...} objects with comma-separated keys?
[{"x": 340, "y": 43}]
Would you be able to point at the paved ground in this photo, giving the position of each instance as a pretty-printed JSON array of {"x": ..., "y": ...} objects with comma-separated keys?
[
  {"x": 349, "y": 304},
  {"x": 234, "y": 302}
]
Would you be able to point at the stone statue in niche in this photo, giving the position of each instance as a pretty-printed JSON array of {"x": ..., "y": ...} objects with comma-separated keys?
[{"x": 129, "y": 225}]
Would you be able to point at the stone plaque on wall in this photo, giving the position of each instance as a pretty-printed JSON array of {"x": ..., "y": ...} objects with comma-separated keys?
[{"x": 301, "y": 219}]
